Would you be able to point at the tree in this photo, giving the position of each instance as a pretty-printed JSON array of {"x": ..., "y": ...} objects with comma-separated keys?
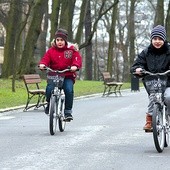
[
  {"x": 11, "y": 31},
  {"x": 131, "y": 32},
  {"x": 54, "y": 18},
  {"x": 89, "y": 36},
  {"x": 159, "y": 15},
  {"x": 62, "y": 17},
  {"x": 112, "y": 39},
  {"x": 83, "y": 10},
  {"x": 4, "y": 14},
  {"x": 88, "y": 48},
  {"x": 27, "y": 64},
  {"x": 66, "y": 17}
]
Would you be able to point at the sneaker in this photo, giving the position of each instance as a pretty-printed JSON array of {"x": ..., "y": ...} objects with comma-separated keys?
[
  {"x": 47, "y": 109},
  {"x": 68, "y": 117}
]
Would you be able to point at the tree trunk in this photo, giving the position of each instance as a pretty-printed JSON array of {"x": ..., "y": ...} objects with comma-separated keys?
[
  {"x": 88, "y": 49},
  {"x": 159, "y": 15},
  {"x": 7, "y": 68},
  {"x": 41, "y": 43},
  {"x": 81, "y": 21},
  {"x": 71, "y": 6},
  {"x": 112, "y": 40},
  {"x": 131, "y": 32},
  {"x": 54, "y": 18},
  {"x": 17, "y": 48},
  {"x": 66, "y": 17},
  {"x": 27, "y": 64}
]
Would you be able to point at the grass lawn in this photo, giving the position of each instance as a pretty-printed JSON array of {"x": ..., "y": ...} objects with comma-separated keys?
[{"x": 19, "y": 97}]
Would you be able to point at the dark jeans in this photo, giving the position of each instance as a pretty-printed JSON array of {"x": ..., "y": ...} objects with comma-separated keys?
[{"x": 69, "y": 94}]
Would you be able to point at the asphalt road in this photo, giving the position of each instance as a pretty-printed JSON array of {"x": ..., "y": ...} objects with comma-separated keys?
[{"x": 106, "y": 134}]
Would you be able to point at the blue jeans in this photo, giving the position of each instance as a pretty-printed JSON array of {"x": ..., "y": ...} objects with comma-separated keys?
[{"x": 69, "y": 94}]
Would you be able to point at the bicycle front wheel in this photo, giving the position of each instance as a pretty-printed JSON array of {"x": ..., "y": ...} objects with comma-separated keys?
[
  {"x": 158, "y": 128},
  {"x": 61, "y": 121},
  {"x": 53, "y": 115}
]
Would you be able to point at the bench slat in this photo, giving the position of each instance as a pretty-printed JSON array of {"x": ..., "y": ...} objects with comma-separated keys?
[
  {"x": 32, "y": 81},
  {"x": 32, "y": 78}
]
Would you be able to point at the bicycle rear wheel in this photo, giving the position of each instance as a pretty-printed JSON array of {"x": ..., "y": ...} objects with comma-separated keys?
[
  {"x": 158, "y": 128},
  {"x": 61, "y": 121},
  {"x": 53, "y": 115}
]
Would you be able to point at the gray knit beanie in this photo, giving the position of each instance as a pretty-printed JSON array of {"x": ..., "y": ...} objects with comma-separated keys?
[{"x": 159, "y": 31}]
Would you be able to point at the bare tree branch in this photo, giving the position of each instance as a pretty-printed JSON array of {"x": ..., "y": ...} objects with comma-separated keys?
[{"x": 94, "y": 27}]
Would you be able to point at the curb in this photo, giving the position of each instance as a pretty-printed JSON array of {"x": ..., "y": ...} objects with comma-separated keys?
[
  {"x": 11, "y": 108},
  {"x": 23, "y": 106},
  {"x": 76, "y": 98}
]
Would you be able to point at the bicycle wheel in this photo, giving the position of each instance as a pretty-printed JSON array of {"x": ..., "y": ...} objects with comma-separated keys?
[
  {"x": 158, "y": 128},
  {"x": 167, "y": 126},
  {"x": 61, "y": 121},
  {"x": 53, "y": 116}
]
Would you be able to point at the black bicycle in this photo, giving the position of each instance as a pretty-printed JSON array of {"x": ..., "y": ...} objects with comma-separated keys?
[
  {"x": 156, "y": 84},
  {"x": 57, "y": 101}
]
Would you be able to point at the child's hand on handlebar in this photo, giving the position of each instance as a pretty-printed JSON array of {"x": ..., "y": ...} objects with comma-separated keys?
[
  {"x": 73, "y": 68},
  {"x": 138, "y": 71},
  {"x": 41, "y": 66}
]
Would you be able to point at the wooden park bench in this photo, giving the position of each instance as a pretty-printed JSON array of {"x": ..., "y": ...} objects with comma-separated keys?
[
  {"x": 32, "y": 82},
  {"x": 110, "y": 86}
]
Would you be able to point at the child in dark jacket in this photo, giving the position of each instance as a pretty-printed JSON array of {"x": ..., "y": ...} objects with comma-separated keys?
[
  {"x": 156, "y": 59},
  {"x": 59, "y": 57}
]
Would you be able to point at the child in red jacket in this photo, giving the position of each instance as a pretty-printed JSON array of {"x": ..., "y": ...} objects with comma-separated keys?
[{"x": 59, "y": 57}]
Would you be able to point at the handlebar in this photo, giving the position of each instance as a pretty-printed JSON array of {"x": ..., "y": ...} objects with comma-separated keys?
[
  {"x": 143, "y": 71},
  {"x": 56, "y": 71}
]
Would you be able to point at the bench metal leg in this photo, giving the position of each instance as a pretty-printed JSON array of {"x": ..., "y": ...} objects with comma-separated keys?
[
  {"x": 119, "y": 89},
  {"x": 114, "y": 91},
  {"x": 108, "y": 90},
  {"x": 41, "y": 102},
  {"x": 41, "y": 98},
  {"x": 105, "y": 88},
  {"x": 28, "y": 101}
]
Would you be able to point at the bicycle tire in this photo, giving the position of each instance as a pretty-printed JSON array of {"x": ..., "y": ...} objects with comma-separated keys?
[
  {"x": 61, "y": 122},
  {"x": 158, "y": 128},
  {"x": 52, "y": 115},
  {"x": 167, "y": 127}
]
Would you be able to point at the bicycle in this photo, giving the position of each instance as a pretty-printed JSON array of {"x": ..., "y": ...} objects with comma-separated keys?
[
  {"x": 155, "y": 84},
  {"x": 57, "y": 100}
]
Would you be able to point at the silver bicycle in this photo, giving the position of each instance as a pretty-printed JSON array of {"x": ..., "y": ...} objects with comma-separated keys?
[
  {"x": 57, "y": 101},
  {"x": 156, "y": 84}
]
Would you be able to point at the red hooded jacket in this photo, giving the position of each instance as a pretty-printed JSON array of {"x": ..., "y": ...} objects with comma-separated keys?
[{"x": 59, "y": 59}]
